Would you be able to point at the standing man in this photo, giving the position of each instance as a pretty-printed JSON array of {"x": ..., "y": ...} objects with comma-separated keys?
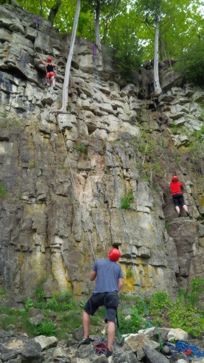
[
  {"x": 176, "y": 188},
  {"x": 108, "y": 275}
]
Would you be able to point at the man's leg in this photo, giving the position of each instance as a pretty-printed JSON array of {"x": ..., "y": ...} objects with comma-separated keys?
[
  {"x": 111, "y": 304},
  {"x": 186, "y": 209},
  {"x": 111, "y": 334},
  {"x": 86, "y": 324},
  {"x": 178, "y": 210},
  {"x": 176, "y": 204},
  {"x": 53, "y": 81}
]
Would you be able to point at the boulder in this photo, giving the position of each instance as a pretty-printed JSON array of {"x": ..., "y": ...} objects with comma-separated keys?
[
  {"x": 177, "y": 334},
  {"x": 154, "y": 356},
  {"x": 31, "y": 352},
  {"x": 46, "y": 342},
  {"x": 137, "y": 342}
]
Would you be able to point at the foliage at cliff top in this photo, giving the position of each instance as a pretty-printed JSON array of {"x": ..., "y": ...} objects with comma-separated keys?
[
  {"x": 191, "y": 62},
  {"x": 127, "y": 26}
]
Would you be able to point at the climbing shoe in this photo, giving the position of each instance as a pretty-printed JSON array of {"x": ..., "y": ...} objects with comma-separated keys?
[
  {"x": 108, "y": 353},
  {"x": 86, "y": 341}
]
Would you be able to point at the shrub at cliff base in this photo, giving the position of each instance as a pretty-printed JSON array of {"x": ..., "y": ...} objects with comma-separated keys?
[{"x": 61, "y": 313}]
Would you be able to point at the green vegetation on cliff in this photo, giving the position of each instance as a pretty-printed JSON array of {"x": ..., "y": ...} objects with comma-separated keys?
[
  {"x": 128, "y": 27},
  {"x": 60, "y": 314}
]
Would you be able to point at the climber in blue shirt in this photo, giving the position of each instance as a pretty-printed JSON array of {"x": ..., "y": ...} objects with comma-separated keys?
[{"x": 108, "y": 276}]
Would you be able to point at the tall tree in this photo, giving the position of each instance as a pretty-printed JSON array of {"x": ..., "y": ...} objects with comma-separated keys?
[
  {"x": 65, "y": 91},
  {"x": 152, "y": 11},
  {"x": 98, "y": 6},
  {"x": 122, "y": 37},
  {"x": 174, "y": 23},
  {"x": 53, "y": 11}
]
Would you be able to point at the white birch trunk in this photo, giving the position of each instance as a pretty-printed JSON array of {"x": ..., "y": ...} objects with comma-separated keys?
[
  {"x": 157, "y": 87},
  {"x": 97, "y": 25},
  {"x": 65, "y": 91}
]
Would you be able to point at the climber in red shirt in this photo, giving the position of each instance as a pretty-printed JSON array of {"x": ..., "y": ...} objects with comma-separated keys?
[
  {"x": 50, "y": 71},
  {"x": 176, "y": 188}
]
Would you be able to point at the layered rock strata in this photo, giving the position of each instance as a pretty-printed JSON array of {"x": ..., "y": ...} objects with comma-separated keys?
[{"x": 64, "y": 177}]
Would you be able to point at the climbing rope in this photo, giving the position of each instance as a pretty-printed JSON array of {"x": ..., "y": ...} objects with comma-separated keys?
[
  {"x": 125, "y": 230},
  {"x": 83, "y": 215},
  {"x": 130, "y": 250}
]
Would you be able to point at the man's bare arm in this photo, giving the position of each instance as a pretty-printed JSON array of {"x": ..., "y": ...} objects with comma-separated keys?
[
  {"x": 92, "y": 275},
  {"x": 120, "y": 284}
]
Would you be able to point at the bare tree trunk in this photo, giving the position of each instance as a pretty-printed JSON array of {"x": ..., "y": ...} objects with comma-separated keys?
[
  {"x": 53, "y": 11},
  {"x": 65, "y": 91},
  {"x": 97, "y": 25},
  {"x": 157, "y": 87},
  {"x": 41, "y": 8}
]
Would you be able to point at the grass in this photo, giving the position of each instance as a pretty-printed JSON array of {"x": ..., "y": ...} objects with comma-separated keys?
[
  {"x": 46, "y": 327},
  {"x": 135, "y": 312},
  {"x": 129, "y": 273},
  {"x": 199, "y": 135},
  {"x": 3, "y": 190},
  {"x": 176, "y": 129},
  {"x": 160, "y": 309}
]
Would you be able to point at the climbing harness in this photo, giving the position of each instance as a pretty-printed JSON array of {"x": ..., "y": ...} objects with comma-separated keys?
[{"x": 100, "y": 347}]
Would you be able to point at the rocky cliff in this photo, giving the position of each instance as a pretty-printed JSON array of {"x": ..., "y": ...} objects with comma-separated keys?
[{"x": 72, "y": 185}]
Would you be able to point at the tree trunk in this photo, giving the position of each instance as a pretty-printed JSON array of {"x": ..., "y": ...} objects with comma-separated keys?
[
  {"x": 41, "y": 8},
  {"x": 97, "y": 25},
  {"x": 65, "y": 91},
  {"x": 157, "y": 87},
  {"x": 53, "y": 11}
]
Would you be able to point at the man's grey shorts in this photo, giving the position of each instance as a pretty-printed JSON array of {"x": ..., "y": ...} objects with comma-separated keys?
[{"x": 108, "y": 299}]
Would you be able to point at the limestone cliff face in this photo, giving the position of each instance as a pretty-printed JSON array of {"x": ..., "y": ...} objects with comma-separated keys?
[{"x": 63, "y": 178}]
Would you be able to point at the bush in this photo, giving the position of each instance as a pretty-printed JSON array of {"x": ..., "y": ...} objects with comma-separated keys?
[
  {"x": 126, "y": 200},
  {"x": 123, "y": 39},
  {"x": 28, "y": 304},
  {"x": 186, "y": 317},
  {"x": 160, "y": 310},
  {"x": 196, "y": 290},
  {"x": 160, "y": 302},
  {"x": 58, "y": 302},
  {"x": 81, "y": 148},
  {"x": 132, "y": 323},
  {"x": 47, "y": 328},
  {"x": 55, "y": 305},
  {"x": 40, "y": 294},
  {"x": 191, "y": 64},
  {"x": 192, "y": 295}
]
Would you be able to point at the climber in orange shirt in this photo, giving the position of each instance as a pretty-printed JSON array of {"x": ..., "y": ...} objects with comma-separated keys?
[{"x": 176, "y": 188}]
